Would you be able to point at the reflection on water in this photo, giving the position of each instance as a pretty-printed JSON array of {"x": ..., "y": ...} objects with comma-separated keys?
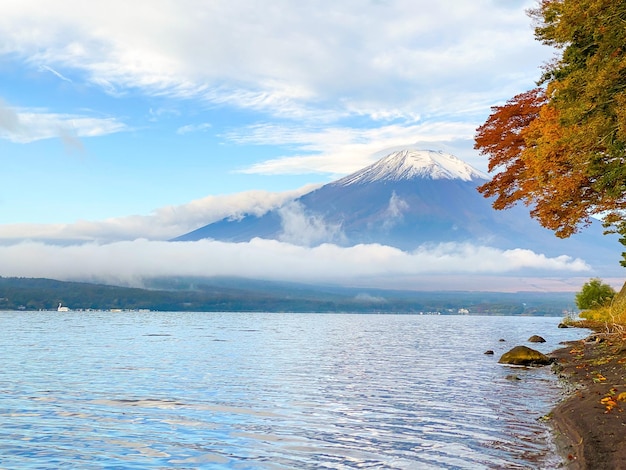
[{"x": 276, "y": 391}]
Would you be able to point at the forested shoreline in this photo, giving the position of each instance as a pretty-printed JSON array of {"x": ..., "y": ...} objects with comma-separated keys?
[{"x": 242, "y": 295}]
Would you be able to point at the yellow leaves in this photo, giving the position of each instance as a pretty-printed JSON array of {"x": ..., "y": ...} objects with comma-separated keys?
[
  {"x": 612, "y": 399},
  {"x": 620, "y": 112},
  {"x": 601, "y": 361},
  {"x": 598, "y": 378},
  {"x": 577, "y": 353},
  {"x": 609, "y": 403}
]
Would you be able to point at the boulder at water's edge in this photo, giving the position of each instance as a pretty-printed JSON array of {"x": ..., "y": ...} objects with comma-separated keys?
[
  {"x": 536, "y": 339},
  {"x": 524, "y": 356}
]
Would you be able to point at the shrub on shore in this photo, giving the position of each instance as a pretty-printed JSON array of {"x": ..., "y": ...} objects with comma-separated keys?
[
  {"x": 594, "y": 294},
  {"x": 601, "y": 304}
]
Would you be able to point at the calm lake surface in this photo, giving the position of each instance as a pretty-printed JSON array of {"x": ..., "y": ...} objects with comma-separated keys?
[{"x": 276, "y": 391}]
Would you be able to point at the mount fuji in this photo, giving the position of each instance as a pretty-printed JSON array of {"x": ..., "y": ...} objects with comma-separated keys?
[{"x": 411, "y": 199}]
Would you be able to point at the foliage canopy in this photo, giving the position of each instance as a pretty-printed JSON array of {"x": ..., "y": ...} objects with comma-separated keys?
[
  {"x": 561, "y": 147},
  {"x": 593, "y": 294}
]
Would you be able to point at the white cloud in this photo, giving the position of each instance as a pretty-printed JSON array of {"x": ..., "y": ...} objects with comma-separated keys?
[
  {"x": 24, "y": 126},
  {"x": 395, "y": 58},
  {"x": 55, "y": 73},
  {"x": 130, "y": 262},
  {"x": 164, "y": 223},
  {"x": 364, "y": 297},
  {"x": 203, "y": 127},
  {"x": 9, "y": 120},
  {"x": 300, "y": 228},
  {"x": 395, "y": 211},
  {"x": 342, "y": 150}
]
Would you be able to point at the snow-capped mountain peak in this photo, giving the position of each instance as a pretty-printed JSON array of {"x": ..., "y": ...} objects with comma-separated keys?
[{"x": 409, "y": 164}]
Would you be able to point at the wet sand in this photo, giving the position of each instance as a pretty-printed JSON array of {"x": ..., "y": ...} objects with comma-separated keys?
[{"x": 590, "y": 424}]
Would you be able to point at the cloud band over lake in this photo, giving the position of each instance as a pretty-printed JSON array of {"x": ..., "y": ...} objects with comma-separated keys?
[{"x": 129, "y": 262}]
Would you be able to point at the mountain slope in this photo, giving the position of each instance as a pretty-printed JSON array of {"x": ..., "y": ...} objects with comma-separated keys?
[
  {"x": 407, "y": 190},
  {"x": 408, "y": 199}
]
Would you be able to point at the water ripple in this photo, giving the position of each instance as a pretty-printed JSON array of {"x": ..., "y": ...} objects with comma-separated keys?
[{"x": 275, "y": 391}]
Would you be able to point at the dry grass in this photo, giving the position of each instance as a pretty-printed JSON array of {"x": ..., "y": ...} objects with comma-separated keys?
[{"x": 611, "y": 318}]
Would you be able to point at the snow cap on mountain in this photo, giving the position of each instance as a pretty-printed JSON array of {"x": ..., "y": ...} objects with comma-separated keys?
[{"x": 410, "y": 164}]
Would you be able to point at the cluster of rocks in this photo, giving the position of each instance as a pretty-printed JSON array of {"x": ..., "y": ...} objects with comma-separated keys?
[{"x": 525, "y": 356}]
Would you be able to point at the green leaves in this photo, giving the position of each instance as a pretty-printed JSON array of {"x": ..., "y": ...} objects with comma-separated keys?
[{"x": 594, "y": 293}]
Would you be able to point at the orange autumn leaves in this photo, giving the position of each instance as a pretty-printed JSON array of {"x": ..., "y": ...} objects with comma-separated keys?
[
  {"x": 612, "y": 399},
  {"x": 528, "y": 145},
  {"x": 561, "y": 147}
]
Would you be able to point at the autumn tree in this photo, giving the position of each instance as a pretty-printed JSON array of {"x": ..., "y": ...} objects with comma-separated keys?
[{"x": 561, "y": 147}]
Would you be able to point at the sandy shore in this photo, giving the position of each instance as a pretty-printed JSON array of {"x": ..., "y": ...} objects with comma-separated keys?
[{"x": 590, "y": 425}]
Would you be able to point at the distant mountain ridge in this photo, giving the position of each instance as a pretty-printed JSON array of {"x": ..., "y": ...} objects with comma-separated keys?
[{"x": 409, "y": 199}]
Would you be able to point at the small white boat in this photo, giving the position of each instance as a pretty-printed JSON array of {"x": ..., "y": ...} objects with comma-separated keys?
[{"x": 61, "y": 308}]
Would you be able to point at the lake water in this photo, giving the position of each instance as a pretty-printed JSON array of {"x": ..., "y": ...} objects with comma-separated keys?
[{"x": 276, "y": 391}]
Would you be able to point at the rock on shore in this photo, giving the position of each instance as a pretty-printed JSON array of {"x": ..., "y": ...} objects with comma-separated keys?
[
  {"x": 536, "y": 339},
  {"x": 524, "y": 356}
]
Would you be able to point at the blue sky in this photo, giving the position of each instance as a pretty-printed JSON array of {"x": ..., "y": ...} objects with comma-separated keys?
[
  {"x": 117, "y": 108},
  {"x": 122, "y": 120}
]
